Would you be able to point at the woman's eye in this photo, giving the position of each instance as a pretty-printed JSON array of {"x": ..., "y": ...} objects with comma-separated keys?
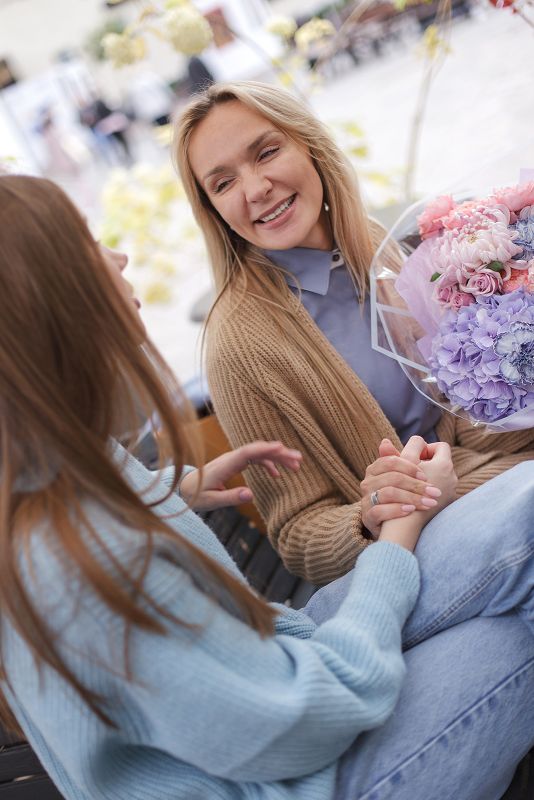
[
  {"x": 269, "y": 152},
  {"x": 221, "y": 186}
]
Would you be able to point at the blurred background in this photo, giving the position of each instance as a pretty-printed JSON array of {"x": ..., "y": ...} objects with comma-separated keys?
[{"x": 422, "y": 96}]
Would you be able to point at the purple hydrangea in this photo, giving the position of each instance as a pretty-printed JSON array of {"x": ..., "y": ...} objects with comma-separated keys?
[
  {"x": 479, "y": 348},
  {"x": 525, "y": 230}
]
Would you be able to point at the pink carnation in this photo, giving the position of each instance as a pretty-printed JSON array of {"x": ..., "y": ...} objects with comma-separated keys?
[
  {"x": 520, "y": 278},
  {"x": 515, "y": 197},
  {"x": 430, "y": 221}
]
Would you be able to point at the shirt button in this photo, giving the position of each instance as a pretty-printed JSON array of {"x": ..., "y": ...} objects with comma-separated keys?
[{"x": 336, "y": 257}]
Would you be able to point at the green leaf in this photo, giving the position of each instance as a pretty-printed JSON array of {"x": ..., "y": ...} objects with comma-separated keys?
[
  {"x": 496, "y": 266},
  {"x": 435, "y": 276}
]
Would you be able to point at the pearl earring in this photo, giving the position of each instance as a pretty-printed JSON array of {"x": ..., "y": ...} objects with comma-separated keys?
[{"x": 326, "y": 206}]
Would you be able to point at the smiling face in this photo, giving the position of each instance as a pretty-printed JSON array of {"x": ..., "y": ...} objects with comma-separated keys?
[{"x": 263, "y": 185}]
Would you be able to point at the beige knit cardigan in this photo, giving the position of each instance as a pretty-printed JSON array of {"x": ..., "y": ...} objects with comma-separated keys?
[{"x": 263, "y": 387}]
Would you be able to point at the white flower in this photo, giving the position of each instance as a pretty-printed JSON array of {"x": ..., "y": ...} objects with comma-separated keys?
[
  {"x": 313, "y": 31},
  {"x": 187, "y": 30},
  {"x": 122, "y": 49},
  {"x": 471, "y": 249},
  {"x": 281, "y": 26}
]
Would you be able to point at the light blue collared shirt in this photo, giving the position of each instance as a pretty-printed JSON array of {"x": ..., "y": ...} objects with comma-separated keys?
[{"x": 331, "y": 299}]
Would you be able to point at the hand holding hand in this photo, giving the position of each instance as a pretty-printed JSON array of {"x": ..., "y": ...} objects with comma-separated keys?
[
  {"x": 397, "y": 484},
  {"x": 213, "y": 492},
  {"x": 436, "y": 462}
]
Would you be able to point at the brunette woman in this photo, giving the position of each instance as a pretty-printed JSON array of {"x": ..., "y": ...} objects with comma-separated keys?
[{"x": 134, "y": 655}]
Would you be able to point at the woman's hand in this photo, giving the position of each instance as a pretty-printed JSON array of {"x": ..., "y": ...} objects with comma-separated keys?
[
  {"x": 436, "y": 462},
  {"x": 398, "y": 483},
  {"x": 213, "y": 492}
]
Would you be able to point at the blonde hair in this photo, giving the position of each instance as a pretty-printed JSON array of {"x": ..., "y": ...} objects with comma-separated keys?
[
  {"x": 240, "y": 268},
  {"x": 232, "y": 258},
  {"x": 69, "y": 358}
]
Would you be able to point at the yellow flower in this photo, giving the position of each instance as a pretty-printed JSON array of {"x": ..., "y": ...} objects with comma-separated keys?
[
  {"x": 163, "y": 265},
  {"x": 281, "y": 26},
  {"x": 313, "y": 31},
  {"x": 163, "y": 135},
  {"x": 187, "y": 30},
  {"x": 122, "y": 49},
  {"x": 433, "y": 43},
  {"x": 157, "y": 292}
]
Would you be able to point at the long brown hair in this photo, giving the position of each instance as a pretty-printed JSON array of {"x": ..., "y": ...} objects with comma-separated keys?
[{"x": 70, "y": 366}]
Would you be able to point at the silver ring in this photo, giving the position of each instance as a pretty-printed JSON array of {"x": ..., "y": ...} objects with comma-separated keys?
[{"x": 374, "y": 498}]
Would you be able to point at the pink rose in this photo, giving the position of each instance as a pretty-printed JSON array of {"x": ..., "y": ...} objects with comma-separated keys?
[
  {"x": 459, "y": 299},
  {"x": 444, "y": 294},
  {"x": 515, "y": 197},
  {"x": 484, "y": 283},
  {"x": 430, "y": 221},
  {"x": 452, "y": 296}
]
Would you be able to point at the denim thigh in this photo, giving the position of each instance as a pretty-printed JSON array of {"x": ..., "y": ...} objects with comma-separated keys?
[{"x": 464, "y": 720}]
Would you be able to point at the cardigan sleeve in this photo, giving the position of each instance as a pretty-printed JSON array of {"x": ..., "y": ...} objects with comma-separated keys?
[
  {"x": 479, "y": 456},
  {"x": 317, "y": 534}
]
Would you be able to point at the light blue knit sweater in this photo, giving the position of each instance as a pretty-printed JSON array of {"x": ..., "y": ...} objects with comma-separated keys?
[{"x": 215, "y": 713}]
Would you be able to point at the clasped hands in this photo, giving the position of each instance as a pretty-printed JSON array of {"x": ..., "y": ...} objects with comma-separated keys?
[
  {"x": 212, "y": 493},
  {"x": 419, "y": 479}
]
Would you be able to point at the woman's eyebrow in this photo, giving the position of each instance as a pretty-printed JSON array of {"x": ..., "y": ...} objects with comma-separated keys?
[{"x": 249, "y": 149}]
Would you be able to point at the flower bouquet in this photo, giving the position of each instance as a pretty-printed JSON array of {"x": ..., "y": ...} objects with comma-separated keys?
[{"x": 452, "y": 290}]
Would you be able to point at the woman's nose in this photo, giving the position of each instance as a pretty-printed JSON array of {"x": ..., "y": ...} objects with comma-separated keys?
[{"x": 256, "y": 186}]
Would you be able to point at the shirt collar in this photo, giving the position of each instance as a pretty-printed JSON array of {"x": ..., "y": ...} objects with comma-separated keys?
[{"x": 310, "y": 269}]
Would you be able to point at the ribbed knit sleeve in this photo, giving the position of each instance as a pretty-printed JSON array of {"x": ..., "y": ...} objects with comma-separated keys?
[
  {"x": 210, "y": 709},
  {"x": 478, "y": 455},
  {"x": 316, "y": 530},
  {"x": 263, "y": 387}
]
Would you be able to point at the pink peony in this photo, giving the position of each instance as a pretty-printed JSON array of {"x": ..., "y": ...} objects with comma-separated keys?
[
  {"x": 515, "y": 197},
  {"x": 483, "y": 283},
  {"x": 430, "y": 221}
]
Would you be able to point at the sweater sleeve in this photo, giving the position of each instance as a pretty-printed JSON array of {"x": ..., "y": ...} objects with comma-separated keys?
[
  {"x": 316, "y": 533},
  {"x": 244, "y": 708},
  {"x": 479, "y": 456}
]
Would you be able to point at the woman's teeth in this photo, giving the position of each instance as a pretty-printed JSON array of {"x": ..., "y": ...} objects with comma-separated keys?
[{"x": 276, "y": 213}]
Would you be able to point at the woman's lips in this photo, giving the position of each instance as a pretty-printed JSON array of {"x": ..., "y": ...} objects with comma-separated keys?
[{"x": 281, "y": 219}]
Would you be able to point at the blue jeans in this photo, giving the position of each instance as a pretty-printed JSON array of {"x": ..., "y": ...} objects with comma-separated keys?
[{"x": 466, "y": 713}]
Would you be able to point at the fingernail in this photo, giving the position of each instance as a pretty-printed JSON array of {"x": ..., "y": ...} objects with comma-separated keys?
[
  {"x": 420, "y": 476},
  {"x": 428, "y": 502},
  {"x": 295, "y": 453},
  {"x": 433, "y": 491},
  {"x": 407, "y": 509},
  {"x": 245, "y": 494}
]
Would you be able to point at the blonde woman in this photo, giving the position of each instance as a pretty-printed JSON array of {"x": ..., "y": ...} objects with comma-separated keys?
[
  {"x": 134, "y": 655},
  {"x": 288, "y": 339}
]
